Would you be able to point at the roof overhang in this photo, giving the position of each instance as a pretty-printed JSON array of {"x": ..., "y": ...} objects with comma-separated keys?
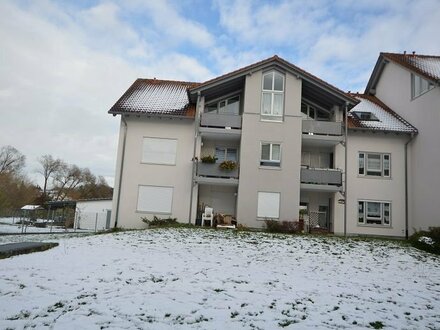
[{"x": 275, "y": 62}]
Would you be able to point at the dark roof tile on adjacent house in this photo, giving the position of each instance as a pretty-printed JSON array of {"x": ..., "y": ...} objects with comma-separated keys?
[
  {"x": 425, "y": 65},
  {"x": 156, "y": 97},
  {"x": 386, "y": 119}
]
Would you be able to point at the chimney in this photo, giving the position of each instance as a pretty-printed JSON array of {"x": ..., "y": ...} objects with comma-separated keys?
[
  {"x": 404, "y": 52},
  {"x": 414, "y": 52}
]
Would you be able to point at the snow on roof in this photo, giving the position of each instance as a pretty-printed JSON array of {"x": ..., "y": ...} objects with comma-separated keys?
[
  {"x": 385, "y": 119},
  {"x": 32, "y": 207},
  {"x": 426, "y": 65},
  {"x": 154, "y": 96}
]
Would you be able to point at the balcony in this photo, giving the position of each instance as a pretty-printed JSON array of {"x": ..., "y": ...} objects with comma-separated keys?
[
  {"x": 218, "y": 120},
  {"x": 321, "y": 133},
  {"x": 319, "y": 179},
  {"x": 212, "y": 174}
]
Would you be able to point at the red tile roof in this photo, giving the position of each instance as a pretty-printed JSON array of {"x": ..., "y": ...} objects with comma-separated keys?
[{"x": 425, "y": 65}]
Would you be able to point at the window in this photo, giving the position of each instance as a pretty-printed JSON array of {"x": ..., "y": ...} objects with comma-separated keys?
[
  {"x": 374, "y": 164},
  {"x": 365, "y": 116},
  {"x": 419, "y": 85},
  {"x": 270, "y": 154},
  {"x": 223, "y": 153},
  {"x": 272, "y": 103},
  {"x": 159, "y": 151},
  {"x": 374, "y": 213},
  {"x": 268, "y": 205},
  {"x": 155, "y": 199},
  {"x": 229, "y": 106},
  {"x": 310, "y": 112}
]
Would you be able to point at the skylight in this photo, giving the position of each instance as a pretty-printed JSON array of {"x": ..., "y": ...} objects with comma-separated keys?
[{"x": 365, "y": 116}]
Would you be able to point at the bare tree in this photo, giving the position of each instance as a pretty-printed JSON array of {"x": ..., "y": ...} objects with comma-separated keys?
[
  {"x": 11, "y": 160},
  {"x": 66, "y": 179},
  {"x": 49, "y": 167}
]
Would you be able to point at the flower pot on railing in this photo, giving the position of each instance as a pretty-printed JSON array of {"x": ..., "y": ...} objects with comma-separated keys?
[
  {"x": 228, "y": 165},
  {"x": 208, "y": 159}
]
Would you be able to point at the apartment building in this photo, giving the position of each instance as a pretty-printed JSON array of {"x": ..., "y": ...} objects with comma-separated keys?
[{"x": 259, "y": 143}]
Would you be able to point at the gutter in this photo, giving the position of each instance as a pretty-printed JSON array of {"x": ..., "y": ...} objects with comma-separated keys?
[
  {"x": 345, "y": 172},
  {"x": 406, "y": 185},
  {"x": 118, "y": 200},
  {"x": 196, "y": 133}
]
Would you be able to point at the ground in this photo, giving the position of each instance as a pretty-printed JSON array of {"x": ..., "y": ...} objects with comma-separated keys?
[{"x": 208, "y": 279}]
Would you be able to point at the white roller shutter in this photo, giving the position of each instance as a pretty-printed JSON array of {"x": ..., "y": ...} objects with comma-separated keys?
[
  {"x": 268, "y": 205},
  {"x": 155, "y": 199}
]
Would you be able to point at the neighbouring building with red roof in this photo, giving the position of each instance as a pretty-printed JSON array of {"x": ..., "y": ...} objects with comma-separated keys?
[{"x": 271, "y": 141}]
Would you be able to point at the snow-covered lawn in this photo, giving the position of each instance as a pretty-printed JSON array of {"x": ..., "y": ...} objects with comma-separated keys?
[{"x": 207, "y": 279}]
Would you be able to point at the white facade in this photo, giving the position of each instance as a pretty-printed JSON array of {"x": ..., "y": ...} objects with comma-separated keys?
[{"x": 285, "y": 136}]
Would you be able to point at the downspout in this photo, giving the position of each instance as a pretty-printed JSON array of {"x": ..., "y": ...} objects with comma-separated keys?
[
  {"x": 121, "y": 170},
  {"x": 345, "y": 171},
  {"x": 196, "y": 133},
  {"x": 406, "y": 186}
]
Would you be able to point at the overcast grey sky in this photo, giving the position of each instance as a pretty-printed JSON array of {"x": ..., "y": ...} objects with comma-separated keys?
[{"x": 63, "y": 64}]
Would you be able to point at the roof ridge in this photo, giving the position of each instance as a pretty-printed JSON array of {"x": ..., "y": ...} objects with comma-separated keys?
[
  {"x": 410, "y": 55},
  {"x": 169, "y": 81}
]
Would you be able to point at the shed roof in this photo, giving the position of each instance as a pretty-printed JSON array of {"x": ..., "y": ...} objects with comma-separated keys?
[
  {"x": 156, "y": 97},
  {"x": 387, "y": 119}
]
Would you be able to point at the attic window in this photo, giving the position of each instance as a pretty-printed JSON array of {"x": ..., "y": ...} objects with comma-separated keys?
[{"x": 366, "y": 116}]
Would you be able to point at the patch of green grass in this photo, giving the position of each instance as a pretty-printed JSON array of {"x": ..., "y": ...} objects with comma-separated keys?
[
  {"x": 377, "y": 325},
  {"x": 428, "y": 241}
]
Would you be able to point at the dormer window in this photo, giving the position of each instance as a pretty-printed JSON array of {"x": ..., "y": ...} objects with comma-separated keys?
[
  {"x": 419, "y": 85},
  {"x": 272, "y": 100},
  {"x": 365, "y": 116}
]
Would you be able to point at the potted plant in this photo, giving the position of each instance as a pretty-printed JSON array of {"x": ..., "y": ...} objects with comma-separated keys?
[
  {"x": 228, "y": 165},
  {"x": 208, "y": 159}
]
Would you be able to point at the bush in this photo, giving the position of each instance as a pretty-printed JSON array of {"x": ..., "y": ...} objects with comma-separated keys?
[
  {"x": 158, "y": 222},
  {"x": 290, "y": 227},
  {"x": 208, "y": 159},
  {"x": 228, "y": 165},
  {"x": 427, "y": 240}
]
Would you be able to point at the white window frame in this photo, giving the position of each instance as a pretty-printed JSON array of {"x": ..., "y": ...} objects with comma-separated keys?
[
  {"x": 272, "y": 162},
  {"x": 363, "y": 216},
  {"x": 272, "y": 116},
  {"x": 226, "y": 100},
  {"x": 363, "y": 163},
  {"x": 146, "y": 161},
  {"x": 225, "y": 150},
  {"x": 152, "y": 210},
  {"x": 418, "y": 80},
  {"x": 263, "y": 214}
]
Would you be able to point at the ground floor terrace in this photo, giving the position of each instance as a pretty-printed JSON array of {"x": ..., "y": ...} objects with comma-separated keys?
[{"x": 217, "y": 279}]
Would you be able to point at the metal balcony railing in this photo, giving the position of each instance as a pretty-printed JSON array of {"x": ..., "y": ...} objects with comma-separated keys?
[
  {"x": 220, "y": 120},
  {"x": 321, "y": 127},
  {"x": 214, "y": 171}
]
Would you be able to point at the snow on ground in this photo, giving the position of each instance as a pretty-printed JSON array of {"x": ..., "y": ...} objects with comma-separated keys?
[
  {"x": 207, "y": 279},
  {"x": 10, "y": 226}
]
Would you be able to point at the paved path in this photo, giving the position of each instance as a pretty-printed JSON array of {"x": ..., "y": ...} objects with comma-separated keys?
[{"x": 11, "y": 249}]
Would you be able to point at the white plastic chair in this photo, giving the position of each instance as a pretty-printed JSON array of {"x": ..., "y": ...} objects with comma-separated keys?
[{"x": 208, "y": 215}]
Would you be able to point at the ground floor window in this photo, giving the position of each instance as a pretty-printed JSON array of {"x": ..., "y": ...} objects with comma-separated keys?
[
  {"x": 374, "y": 213},
  {"x": 155, "y": 199},
  {"x": 268, "y": 205}
]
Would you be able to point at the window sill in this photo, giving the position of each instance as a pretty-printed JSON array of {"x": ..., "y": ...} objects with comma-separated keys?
[
  {"x": 267, "y": 218},
  {"x": 166, "y": 164},
  {"x": 153, "y": 212},
  {"x": 375, "y": 226},
  {"x": 262, "y": 167},
  {"x": 374, "y": 177}
]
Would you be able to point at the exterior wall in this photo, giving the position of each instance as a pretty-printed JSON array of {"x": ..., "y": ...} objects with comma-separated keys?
[
  {"x": 92, "y": 214},
  {"x": 136, "y": 173},
  {"x": 375, "y": 189},
  {"x": 221, "y": 198},
  {"x": 253, "y": 178},
  {"x": 394, "y": 89}
]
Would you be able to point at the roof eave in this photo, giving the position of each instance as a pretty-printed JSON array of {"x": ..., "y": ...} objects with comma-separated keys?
[
  {"x": 375, "y": 75},
  {"x": 143, "y": 114},
  {"x": 283, "y": 65}
]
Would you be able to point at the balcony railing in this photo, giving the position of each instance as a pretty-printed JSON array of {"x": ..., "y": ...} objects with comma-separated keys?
[
  {"x": 321, "y": 176},
  {"x": 214, "y": 171},
  {"x": 220, "y": 120},
  {"x": 321, "y": 127}
]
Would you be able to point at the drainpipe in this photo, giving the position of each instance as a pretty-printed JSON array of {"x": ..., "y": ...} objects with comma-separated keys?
[
  {"x": 196, "y": 133},
  {"x": 406, "y": 185},
  {"x": 345, "y": 172},
  {"x": 121, "y": 170}
]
